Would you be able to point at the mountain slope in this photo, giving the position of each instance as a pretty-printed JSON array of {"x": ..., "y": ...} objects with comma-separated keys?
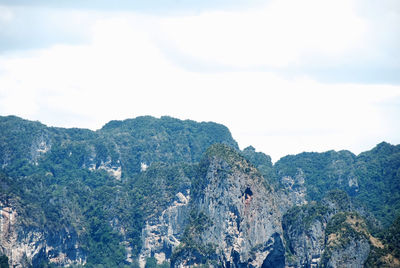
[
  {"x": 92, "y": 187},
  {"x": 154, "y": 192},
  {"x": 371, "y": 178}
]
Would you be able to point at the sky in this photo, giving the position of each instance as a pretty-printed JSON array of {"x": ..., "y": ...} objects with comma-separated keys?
[{"x": 285, "y": 76}]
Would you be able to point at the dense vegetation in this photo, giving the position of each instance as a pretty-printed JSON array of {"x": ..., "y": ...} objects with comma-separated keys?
[
  {"x": 68, "y": 180},
  {"x": 191, "y": 248},
  {"x": 371, "y": 178},
  {"x": 4, "y": 261},
  {"x": 58, "y": 179}
]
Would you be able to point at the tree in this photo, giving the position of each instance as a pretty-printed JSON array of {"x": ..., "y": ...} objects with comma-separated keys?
[{"x": 4, "y": 261}]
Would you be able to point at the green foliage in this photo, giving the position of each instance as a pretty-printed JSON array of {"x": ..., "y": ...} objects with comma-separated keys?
[
  {"x": 392, "y": 238},
  {"x": 323, "y": 171},
  {"x": 46, "y": 264},
  {"x": 300, "y": 218},
  {"x": 152, "y": 263},
  {"x": 344, "y": 231},
  {"x": 191, "y": 247},
  {"x": 340, "y": 226},
  {"x": 304, "y": 215},
  {"x": 262, "y": 162},
  {"x": 148, "y": 139},
  {"x": 158, "y": 185},
  {"x": 338, "y": 199},
  {"x": 4, "y": 261},
  {"x": 229, "y": 160},
  {"x": 52, "y": 177},
  {"x": 224, "y": 152},
  {"x": 377, "y": 173}
]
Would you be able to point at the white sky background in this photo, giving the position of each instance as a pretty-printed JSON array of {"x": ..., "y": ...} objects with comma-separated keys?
[{"x": 284, "y": 76}]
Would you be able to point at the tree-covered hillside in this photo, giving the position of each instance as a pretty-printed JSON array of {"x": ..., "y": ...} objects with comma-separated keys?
[
  {"x": 88, "y": 195},
  {"x": 371, "y": 178},
  {"x": 99, "y": 186}
]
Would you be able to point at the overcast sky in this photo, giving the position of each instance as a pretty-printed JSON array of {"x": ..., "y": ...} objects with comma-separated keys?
[{"x": 285, "y": 76}]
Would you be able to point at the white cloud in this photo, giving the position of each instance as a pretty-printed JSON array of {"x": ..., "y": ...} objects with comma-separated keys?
[
  {"x": 125, "y": 72},
  {"x": 280, "y": 34},
  {"x": 6, "y": 14},
  {"x": 25, "y": 28}
]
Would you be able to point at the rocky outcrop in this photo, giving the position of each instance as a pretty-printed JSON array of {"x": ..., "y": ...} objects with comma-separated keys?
[
  {"x": 131, "y": 192},
  {"x": 347, "y": 241},
  {"x": 327, "y": 234},
  {"x": 304, "y": 230},
  {"x": 354, "y": 254},
  {"x": 25, "y": 246},
  {"x": 113, "y": 170},
  {"x": 163, "y": 233},
  {"x": 243, "y": 222},
  {"x": 40, "y": 146},
  {"x": 292, "y": 192}
]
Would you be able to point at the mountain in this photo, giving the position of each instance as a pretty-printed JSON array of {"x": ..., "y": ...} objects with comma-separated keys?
[{"x": 160, "y": 192}]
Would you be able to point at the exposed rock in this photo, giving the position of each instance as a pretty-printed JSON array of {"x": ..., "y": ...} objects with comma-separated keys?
[
  {"x": 245, "y": 227},
  {"x": 347, "y": 242},
  {"x": 26, "y": 246},
  {"x": 113, "y": 169},
  {"x": 304, "y": 229},
  {"x": 40, "y": 146},
  {"x": 327, "y": 234},
  {"x": 354, "y": 254},
  {"x": 353, "y": 184},
  {"x": 232, "y": 217},
  {"x": 163, "y": 232},
  {"x": 293, "y": 192}
]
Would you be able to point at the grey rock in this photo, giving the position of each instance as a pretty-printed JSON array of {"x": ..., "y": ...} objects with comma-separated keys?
[
  {"x": 26, "y": 246},
  {"x": 246, "y": 227},
  {"x": 293, "y": 192},
  {"x": 162, "y": 233},
  {"x": 353, "y": 255}
]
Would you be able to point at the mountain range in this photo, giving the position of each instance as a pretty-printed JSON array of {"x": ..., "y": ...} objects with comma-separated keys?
[{"x": 162, "y": 192}]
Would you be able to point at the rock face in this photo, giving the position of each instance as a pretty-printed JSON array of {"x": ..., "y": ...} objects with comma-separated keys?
[
  {"x": 244, "y": 221},
  {"x": 293, "y": 192},
  {"x": 30, "y": 246},
  {"x": 147, "y": 189},
  {"x": 163, "y": 233},
  {"x": 304, "y": 229},
  {"x": 327, "y": 234},
  {"x": 354, "y": 254},
  {"x": 347, "y": 241}
]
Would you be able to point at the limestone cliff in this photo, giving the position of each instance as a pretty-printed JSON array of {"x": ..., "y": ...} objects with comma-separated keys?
[
  {"x": 241, "y": 222},
  {"x": 148, "y": 190},
  {"x": 162, "y": 233},
  {"x": 327, "y": 234},
  {"x": 292, "y": 192},
  {"x": 30, "y": 246}
]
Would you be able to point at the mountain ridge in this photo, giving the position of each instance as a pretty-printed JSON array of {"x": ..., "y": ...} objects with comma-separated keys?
[{"x": 122, "y": 196}]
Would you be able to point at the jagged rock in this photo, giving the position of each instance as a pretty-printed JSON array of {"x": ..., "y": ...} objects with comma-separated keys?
[
  {"x": 293, "y": 192},
  {"x": 327, "y": 234},
  {"x": 162, "y": 233},
  {"x": 354, "y": 254},
  {"x": 304, "y": 229},
  {"x": 245, "y": 227},
  {"x": 27, "y": 246},
  {"x": 68, "y": 211},
  {"x": 40, "y": 145},
  {"x": 347, "y": 241}
]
